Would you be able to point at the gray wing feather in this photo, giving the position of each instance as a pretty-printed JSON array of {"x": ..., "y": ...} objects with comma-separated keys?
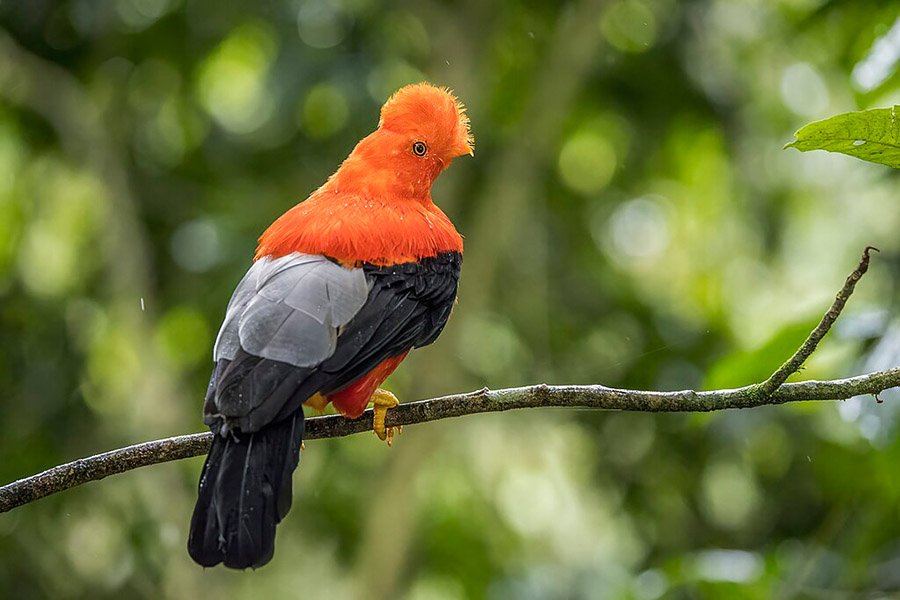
[
  {"x": 227, "y": 342},
  {"x": 290, "y": 309}
]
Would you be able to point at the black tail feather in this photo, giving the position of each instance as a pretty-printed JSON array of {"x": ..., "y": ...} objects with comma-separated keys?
[{"x": 244, "y": 492}]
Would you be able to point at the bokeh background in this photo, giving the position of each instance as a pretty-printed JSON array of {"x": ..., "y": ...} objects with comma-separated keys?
[{"x": 631, "y": 219}]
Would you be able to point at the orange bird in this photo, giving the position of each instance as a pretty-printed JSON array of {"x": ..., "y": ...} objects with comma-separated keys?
[{"x": 342, "y": 287}]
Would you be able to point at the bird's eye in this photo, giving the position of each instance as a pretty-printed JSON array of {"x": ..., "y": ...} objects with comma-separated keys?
[{"x": 419, "y": 148}]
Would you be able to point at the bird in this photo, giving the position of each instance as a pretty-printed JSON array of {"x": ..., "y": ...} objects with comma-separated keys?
[{"x": 341, "y": 288}]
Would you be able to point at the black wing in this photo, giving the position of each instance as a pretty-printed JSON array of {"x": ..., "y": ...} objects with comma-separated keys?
[{"x": 407, "y": 307}]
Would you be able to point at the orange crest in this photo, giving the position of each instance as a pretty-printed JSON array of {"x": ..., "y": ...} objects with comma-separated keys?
[{"x": 431, "y": 111}]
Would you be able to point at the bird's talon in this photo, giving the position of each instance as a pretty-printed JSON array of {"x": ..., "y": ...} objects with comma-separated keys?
[
  {"x": 317, "y": 402},
  {"x": 382, "y": 400}
]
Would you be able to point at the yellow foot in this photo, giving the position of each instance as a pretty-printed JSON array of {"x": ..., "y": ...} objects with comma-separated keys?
[
  {"x": 381, "y": 401},
  {"x": 318, "y": 402}
]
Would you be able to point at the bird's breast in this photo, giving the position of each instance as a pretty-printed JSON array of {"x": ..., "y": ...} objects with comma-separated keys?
[{"x": 355, "y": 230}]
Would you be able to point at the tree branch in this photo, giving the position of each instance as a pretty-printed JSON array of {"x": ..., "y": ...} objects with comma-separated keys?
[
  {"x": 793, "y": 364},
  {"x": 771, "y": 392}
]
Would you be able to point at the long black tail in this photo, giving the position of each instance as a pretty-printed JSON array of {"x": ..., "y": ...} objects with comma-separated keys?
[{"x": 244, "y": 492}]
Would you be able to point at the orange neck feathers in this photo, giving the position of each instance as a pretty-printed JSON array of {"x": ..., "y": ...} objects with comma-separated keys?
[
  {"x": 355, "y": 229},
  {"x": 377, "y": 207}
]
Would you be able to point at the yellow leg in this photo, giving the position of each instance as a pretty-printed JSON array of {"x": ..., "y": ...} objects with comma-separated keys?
[{"x": 381, "y": 401}]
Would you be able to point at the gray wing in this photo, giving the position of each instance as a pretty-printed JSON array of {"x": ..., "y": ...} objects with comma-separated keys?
[{"x": 290, "y": 309}]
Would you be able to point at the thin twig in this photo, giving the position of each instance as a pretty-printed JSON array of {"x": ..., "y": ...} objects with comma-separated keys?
[
  {"x": 772, "y": 391},
  {"x": 793, "y": 364}
]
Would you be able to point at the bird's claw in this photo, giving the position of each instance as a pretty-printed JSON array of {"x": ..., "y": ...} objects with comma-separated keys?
[
  {"x": 317, "y": 402},
  {"x": 382, "y": 400}
]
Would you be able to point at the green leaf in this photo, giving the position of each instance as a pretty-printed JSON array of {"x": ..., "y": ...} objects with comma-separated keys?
[{"x": 872, "y": 135}]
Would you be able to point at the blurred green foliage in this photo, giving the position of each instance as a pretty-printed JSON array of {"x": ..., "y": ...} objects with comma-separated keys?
[{"x": 631, "y": 219}]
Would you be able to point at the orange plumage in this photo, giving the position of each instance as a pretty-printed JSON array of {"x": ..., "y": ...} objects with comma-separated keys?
[{"x": 377, "y": 207}]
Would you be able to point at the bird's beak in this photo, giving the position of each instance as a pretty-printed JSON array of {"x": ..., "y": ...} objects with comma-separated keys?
[{"x": 463, "y": 148}]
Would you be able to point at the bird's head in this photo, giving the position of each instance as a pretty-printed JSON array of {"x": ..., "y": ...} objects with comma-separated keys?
[
  {"x": 421, "y": 130},
  {"x": 427, "y": 122}
]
